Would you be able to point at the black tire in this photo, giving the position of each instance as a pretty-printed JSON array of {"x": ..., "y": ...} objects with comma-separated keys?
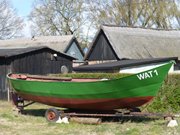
[
  {"x": 52, "y": 115},
  {"x": 135, "y": 109}
]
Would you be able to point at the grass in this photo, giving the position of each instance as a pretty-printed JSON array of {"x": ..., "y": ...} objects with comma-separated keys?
[
  {"x": 92, "y": 75},
  {"x": 34, "y": 123}
]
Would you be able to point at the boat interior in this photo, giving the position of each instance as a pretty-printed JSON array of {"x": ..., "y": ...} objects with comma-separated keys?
[{"x": 51, "y": 78}]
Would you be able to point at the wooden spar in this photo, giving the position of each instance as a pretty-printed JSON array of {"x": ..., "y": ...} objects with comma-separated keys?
[
  {"x": 49, "y": 78},
  {"x": 86, "y": 120}
]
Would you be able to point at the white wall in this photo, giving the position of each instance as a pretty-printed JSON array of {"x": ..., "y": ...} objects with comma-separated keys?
[{"x": 137, "y": 69}]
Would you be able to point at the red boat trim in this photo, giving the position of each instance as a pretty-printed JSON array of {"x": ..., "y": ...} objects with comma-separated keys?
[{"x": 89, "y": 104}]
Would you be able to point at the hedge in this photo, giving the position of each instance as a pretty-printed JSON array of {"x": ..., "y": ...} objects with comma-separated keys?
[{"x": 168, "y": 98}]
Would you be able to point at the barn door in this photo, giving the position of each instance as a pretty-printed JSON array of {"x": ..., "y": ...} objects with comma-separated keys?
[{"x": 3, "y": 92}]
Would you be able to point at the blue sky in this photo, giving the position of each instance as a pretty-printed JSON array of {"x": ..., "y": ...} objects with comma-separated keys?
[{"x": 23, "y": 6}]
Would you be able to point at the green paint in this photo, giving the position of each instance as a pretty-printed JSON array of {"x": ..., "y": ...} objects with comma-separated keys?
[{"x": 138, "y": 85}]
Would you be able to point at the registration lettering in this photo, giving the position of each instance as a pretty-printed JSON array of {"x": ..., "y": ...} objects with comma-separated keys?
[{"x": 147, "y": 75}]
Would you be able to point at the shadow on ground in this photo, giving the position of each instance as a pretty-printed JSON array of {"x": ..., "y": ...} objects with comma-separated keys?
[
  {"x": 120, "y": 119},
  {"x": 34, "y": 112},
  {"x": 124, "y": 119}
]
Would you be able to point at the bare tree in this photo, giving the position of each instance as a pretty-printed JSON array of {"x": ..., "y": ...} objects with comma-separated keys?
[
  {"x": 10, "y": 24},
  {"x": 143, "y": 13},
  {"x": 83, "y": 17},
  {"x": 58, "y": 17}
]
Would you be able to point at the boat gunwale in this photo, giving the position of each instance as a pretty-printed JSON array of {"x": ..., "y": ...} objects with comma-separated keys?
[{"x": 41, "y": 80}]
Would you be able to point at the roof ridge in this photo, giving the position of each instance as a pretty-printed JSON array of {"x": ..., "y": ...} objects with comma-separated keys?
[{"x": 157, "y": 29}]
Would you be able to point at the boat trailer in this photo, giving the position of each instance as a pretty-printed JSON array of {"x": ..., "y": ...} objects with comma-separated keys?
[
  {"x": 52, "y": 115},
  {"x": 90, "y": 117}
]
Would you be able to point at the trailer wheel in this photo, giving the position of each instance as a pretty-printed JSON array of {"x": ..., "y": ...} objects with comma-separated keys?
[
  {"x": 52, "y": 115},
  {"x": 135, "y": 109}
]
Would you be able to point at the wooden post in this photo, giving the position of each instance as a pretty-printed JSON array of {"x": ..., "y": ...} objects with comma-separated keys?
[
  {"x": 8, "y": 93},
  {"x": 86, "y": 120}
]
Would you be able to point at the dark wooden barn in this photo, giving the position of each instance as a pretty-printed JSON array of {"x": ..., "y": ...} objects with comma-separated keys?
[
  {"x": 113, "y": 43},
  {"x": 32, "y": 60},
  {"x": 117, "y": 43},
  {"x": 67, "y": 44}
]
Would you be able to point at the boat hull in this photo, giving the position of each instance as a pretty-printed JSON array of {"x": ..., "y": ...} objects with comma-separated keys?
[
  {"x": 90, "y": 104},
  {"x": 128, "y": 92}
]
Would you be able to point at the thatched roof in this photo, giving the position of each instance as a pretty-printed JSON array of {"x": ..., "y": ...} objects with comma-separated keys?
[
  {"x": 9, "y": 52},
  {"x": 58, "y": 43},
  {"x": 139, "y": 43}
]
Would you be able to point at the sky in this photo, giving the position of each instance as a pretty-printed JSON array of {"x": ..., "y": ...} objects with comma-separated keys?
[{"x": 23, "y": 8}]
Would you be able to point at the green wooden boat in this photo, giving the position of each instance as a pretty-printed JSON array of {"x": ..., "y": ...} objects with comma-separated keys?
[{"x": 85, "y": 94}]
